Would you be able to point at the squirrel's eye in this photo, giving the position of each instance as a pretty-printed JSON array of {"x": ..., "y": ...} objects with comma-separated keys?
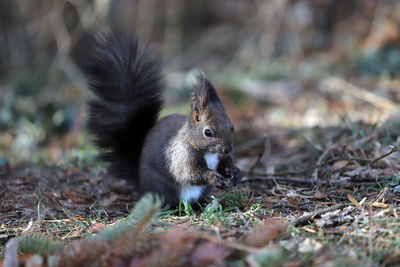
[{"x": 207, "y": 132}]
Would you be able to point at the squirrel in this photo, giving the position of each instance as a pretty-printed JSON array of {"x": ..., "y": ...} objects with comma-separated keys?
[{"x": 179, "y": 157}]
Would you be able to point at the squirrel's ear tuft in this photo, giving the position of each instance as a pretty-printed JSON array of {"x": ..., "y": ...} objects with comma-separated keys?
[
  {"x": 199, "y": 101},
  {"x": 203, "y": 95}
]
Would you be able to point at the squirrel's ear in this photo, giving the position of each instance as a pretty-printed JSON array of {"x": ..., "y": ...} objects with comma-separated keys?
[
  {"x": 202, "y": 96},
  {"x": 199, "y": 101}
]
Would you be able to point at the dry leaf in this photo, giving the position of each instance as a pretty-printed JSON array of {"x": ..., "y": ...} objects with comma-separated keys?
[
  {"x": 209, "y": 253},
  {"x": 294, "y": 200},
  {"x": 354, "y": 201},
  {"x": 74, "y": 197},
  {"x": 338, "y": 165},
  {"x": 264, "y": 233},
  {"x": 379, "y": 205},
  {"x": 97, "y": 227},
  {"x": 315, "y": 216},
  {"x": 79, "y": 218},
  {"x": 174, "y": 246},
  {"x": 319, "y": 195},
  {"x": 388, "y": 172},
  {"x": 311, "y": 230}
]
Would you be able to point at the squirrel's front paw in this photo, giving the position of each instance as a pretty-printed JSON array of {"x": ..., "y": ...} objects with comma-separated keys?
[
  {"x": 220, "y": 181},
  {"x": 233, "y": 174}
]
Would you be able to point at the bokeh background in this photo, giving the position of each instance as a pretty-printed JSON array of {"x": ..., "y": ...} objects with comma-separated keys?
[{"x": 278, "y": 64}]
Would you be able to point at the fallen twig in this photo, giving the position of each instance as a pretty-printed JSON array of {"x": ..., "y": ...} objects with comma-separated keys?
[
  {"x": 331, "y": 161},
  {"x": 304, "y": 219},
  {"x": 393, "y": 150},
  {"x": 368, "y": 181}
]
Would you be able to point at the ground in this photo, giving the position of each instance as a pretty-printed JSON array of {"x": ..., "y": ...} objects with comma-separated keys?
[
  {"x": 320, "y": 196},
  {"x": 311, "y": 86}
]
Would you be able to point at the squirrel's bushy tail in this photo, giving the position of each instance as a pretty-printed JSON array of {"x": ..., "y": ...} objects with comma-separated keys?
[{"x": 127, "y": 81}]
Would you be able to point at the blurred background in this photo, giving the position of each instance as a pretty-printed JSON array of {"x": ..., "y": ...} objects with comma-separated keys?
[{"x": 277, "y": 64}]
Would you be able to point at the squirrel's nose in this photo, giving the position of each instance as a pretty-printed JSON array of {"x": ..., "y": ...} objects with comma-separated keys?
[{"x": 227, "y": 149}]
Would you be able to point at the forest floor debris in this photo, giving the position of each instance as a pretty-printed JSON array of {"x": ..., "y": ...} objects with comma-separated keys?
[{"x": 343, "y": 201}]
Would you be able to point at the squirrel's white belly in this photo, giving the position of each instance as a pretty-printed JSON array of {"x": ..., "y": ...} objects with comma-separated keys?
[
  {"x": 212, "y": 160},
  {"x": 191, "y": 192}
]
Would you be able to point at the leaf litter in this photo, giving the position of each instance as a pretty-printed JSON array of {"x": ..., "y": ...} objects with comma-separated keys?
[{"x": 310, "y": 196}]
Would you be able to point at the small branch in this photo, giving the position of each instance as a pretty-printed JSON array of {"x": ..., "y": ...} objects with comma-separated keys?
[
  {"x": 304, "y": 219},
  {"x": 393, "y": 150},
  {"x": 366, "y": 181},
  {"x": 327, "y": 162},
  {"x": 331, "y": 161},
  {"x": 277, "y": 179}
]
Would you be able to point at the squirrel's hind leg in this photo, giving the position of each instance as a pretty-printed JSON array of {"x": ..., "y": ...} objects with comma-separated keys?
[{"x": 151, "y": 180}]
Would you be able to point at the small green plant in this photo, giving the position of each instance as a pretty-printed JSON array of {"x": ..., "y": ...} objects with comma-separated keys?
[
  {"x": 188, "y": 208},
  {"x": 180, "y": 208},
  {"x": 213, "y": 212},
  {"x": 38, "y": 244},
  {"x": 238, "y": 198},
  {"x": 148, "y": 208}
]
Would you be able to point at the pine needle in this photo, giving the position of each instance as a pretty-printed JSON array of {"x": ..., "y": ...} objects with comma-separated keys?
[
  {"x": 38, "y": 244},
  {"x": 147, "y": 208}
]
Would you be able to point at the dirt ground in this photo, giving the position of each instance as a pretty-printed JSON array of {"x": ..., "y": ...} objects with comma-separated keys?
[
  {"x": 341, "y": 199},
  {"x": 319, "y": 188}
]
